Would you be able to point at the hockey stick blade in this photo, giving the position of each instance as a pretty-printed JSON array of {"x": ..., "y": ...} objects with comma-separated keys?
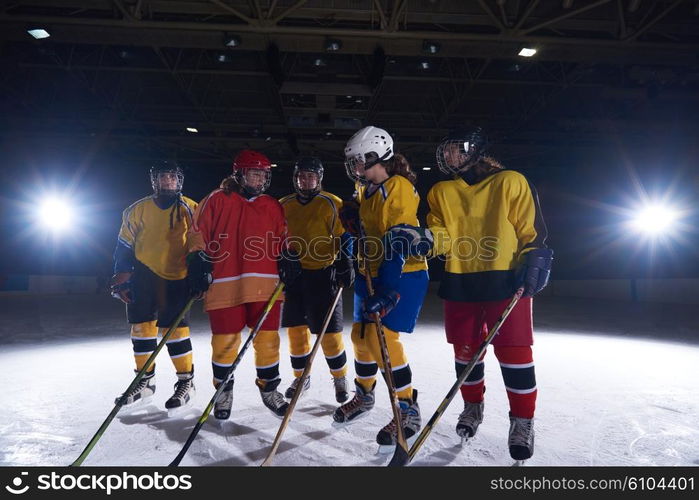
[{"x": 400, "y": 457}]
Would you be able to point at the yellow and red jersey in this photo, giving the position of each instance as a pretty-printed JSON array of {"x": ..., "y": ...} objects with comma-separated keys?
[
  {"x": 483, "y": 229},
  {"x": 243, "y": 238},
  {"x": 158, "y": 236},
  {"x": 314, "y": 228}
]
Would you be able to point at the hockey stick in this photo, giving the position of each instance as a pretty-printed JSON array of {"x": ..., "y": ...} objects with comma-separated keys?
[
  {"x": 299, "y": 388},
  {"x": 397, "y": 460},
  {"x": 401, "y": 452},
  {"x": 229, "y": 375},
  {"x": 120, "y": 402}
]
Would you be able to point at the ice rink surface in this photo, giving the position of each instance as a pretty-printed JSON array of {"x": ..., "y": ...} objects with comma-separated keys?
[{"x": 617, "y": 387}]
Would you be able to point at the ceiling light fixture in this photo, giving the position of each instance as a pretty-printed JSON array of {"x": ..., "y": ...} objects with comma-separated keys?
[
  {"x": 527, "y": 52},
  {"x": 231, "y": 40},
  {"x": 38, "y": 33},
  {"x": 333, "y": 44},
  {"x": 430, "y": 47}
]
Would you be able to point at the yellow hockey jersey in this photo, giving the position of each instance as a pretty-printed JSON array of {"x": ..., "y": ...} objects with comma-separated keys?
[
  {"x": 158, "y": 237},
  {"x": 314, "y": 228},
  {"x": 483, "y": 229},
  {"x": 394, "y": 202}
]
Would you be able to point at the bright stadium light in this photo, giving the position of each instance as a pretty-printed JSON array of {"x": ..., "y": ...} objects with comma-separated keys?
[
  {"x": 55, "y": 214},
  {"x": 655, "y": 219}
]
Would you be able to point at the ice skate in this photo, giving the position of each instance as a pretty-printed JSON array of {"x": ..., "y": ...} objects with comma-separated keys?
[
  {"x": 272, "y": 398},
  {"x": 224, "y": 403},
  {"x": 362, "y": 402},
  {"x": 181, "y": 399},
  {"x": 291, "y": 390},
  {"x": 139, "y": 397},
  {"x": 521, "y": 439},
  {"x": 411, "y": 421},
  {"x": 340, "y": 385},
  {"x": 469, "y": 420}
]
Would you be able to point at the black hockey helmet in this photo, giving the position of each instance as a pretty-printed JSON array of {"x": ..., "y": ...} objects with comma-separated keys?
[
  {"x": 159, "y": 170},
  {"x": 461, "y": 149},
  {"x": 307, "y": 164}
]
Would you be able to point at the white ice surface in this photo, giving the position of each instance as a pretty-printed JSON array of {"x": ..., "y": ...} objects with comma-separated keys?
[{"x": 609, "y": 399}]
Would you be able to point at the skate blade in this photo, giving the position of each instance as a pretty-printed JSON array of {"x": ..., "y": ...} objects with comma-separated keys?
[
  {"x": 220, "y": 423},
  {"x": 340, "y": 425},
  {"x": 519, "y": 463},
  {"x": 300, "y": 397},
  {"x": 385, "y": 449},
  {"x": 141, "y": 404},
  {"x": 466, "y": 441},
  {"x": 179, "y": 410}
]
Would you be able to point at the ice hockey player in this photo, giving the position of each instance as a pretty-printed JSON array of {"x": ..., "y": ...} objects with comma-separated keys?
[
  {"x": 150, "y": 278},
  {"x": 388, "y": 203},
  {"x": 316, "y": 234},
  {"x": 239, "y": 236},
  {"x": 488, "y": 223}
]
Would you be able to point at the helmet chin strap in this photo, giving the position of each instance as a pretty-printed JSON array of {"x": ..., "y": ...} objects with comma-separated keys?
[
  {"x": 251, "y": 193},
  {"x": 387, "y": 155}
]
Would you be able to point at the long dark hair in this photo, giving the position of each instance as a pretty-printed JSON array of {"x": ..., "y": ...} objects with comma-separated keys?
[
  {"x": 398, "y": 165},
  {"x": 230, "y": 185}
]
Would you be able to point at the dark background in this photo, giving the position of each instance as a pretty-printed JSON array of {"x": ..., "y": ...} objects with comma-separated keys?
[{"x": 605, "y": 111}]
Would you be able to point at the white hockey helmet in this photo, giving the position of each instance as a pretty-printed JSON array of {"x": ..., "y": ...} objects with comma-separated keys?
[{"x": 368, "y": 146}]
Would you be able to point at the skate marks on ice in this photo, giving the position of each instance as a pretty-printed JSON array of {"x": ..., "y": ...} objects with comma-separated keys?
[
  {"x": 250, "y": 432},
  {"x": 444, "y": 447},
  {"x": 651, "y": 435},
  {"x": 29, "y": 440}
]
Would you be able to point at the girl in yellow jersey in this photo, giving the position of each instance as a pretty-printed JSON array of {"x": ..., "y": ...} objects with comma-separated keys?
[
  {"x": 316, "y": 234},
  {"x": 487, "y": 222},
  {"x": 388, "y": 203},
  {"x": 150, "y": 277}
]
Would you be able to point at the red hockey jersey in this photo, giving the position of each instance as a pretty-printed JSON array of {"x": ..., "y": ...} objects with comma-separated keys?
[{"x": 243, "y": 239}]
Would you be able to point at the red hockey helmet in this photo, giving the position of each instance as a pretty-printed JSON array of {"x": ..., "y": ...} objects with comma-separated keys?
[
  {"x": 248, "y": 158},
  {"x": 252, "y": 171}
]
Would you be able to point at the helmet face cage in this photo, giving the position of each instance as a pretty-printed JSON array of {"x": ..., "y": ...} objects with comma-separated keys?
[
  {"x": 351, "y": 164},
  {"x": 241, "y": 177},
  {"x": 453, "y": 156},
  {"x": 370, "y": 159},
  {"x": 300, "y": 190},
  {"x": 157, "y": 171}
]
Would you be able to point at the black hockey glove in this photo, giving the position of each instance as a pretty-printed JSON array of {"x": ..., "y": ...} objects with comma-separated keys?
[
  {"x": 349, "y": 216},
  {"x": 289, "y": 266},
  {"x": 121, "y": 287},
  {"x": 198, "y": 274},
  {"x": 533, "y": 273},
  {"x": 343, "y": 273},
  {"x": 382, "y": 302}
]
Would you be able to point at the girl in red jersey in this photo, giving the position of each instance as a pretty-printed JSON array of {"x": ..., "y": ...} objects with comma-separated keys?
[{"x": 239, "y": 234}]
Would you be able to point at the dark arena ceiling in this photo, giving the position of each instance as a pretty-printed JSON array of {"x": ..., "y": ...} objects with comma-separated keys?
[{"x": 302, "y": 76}]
